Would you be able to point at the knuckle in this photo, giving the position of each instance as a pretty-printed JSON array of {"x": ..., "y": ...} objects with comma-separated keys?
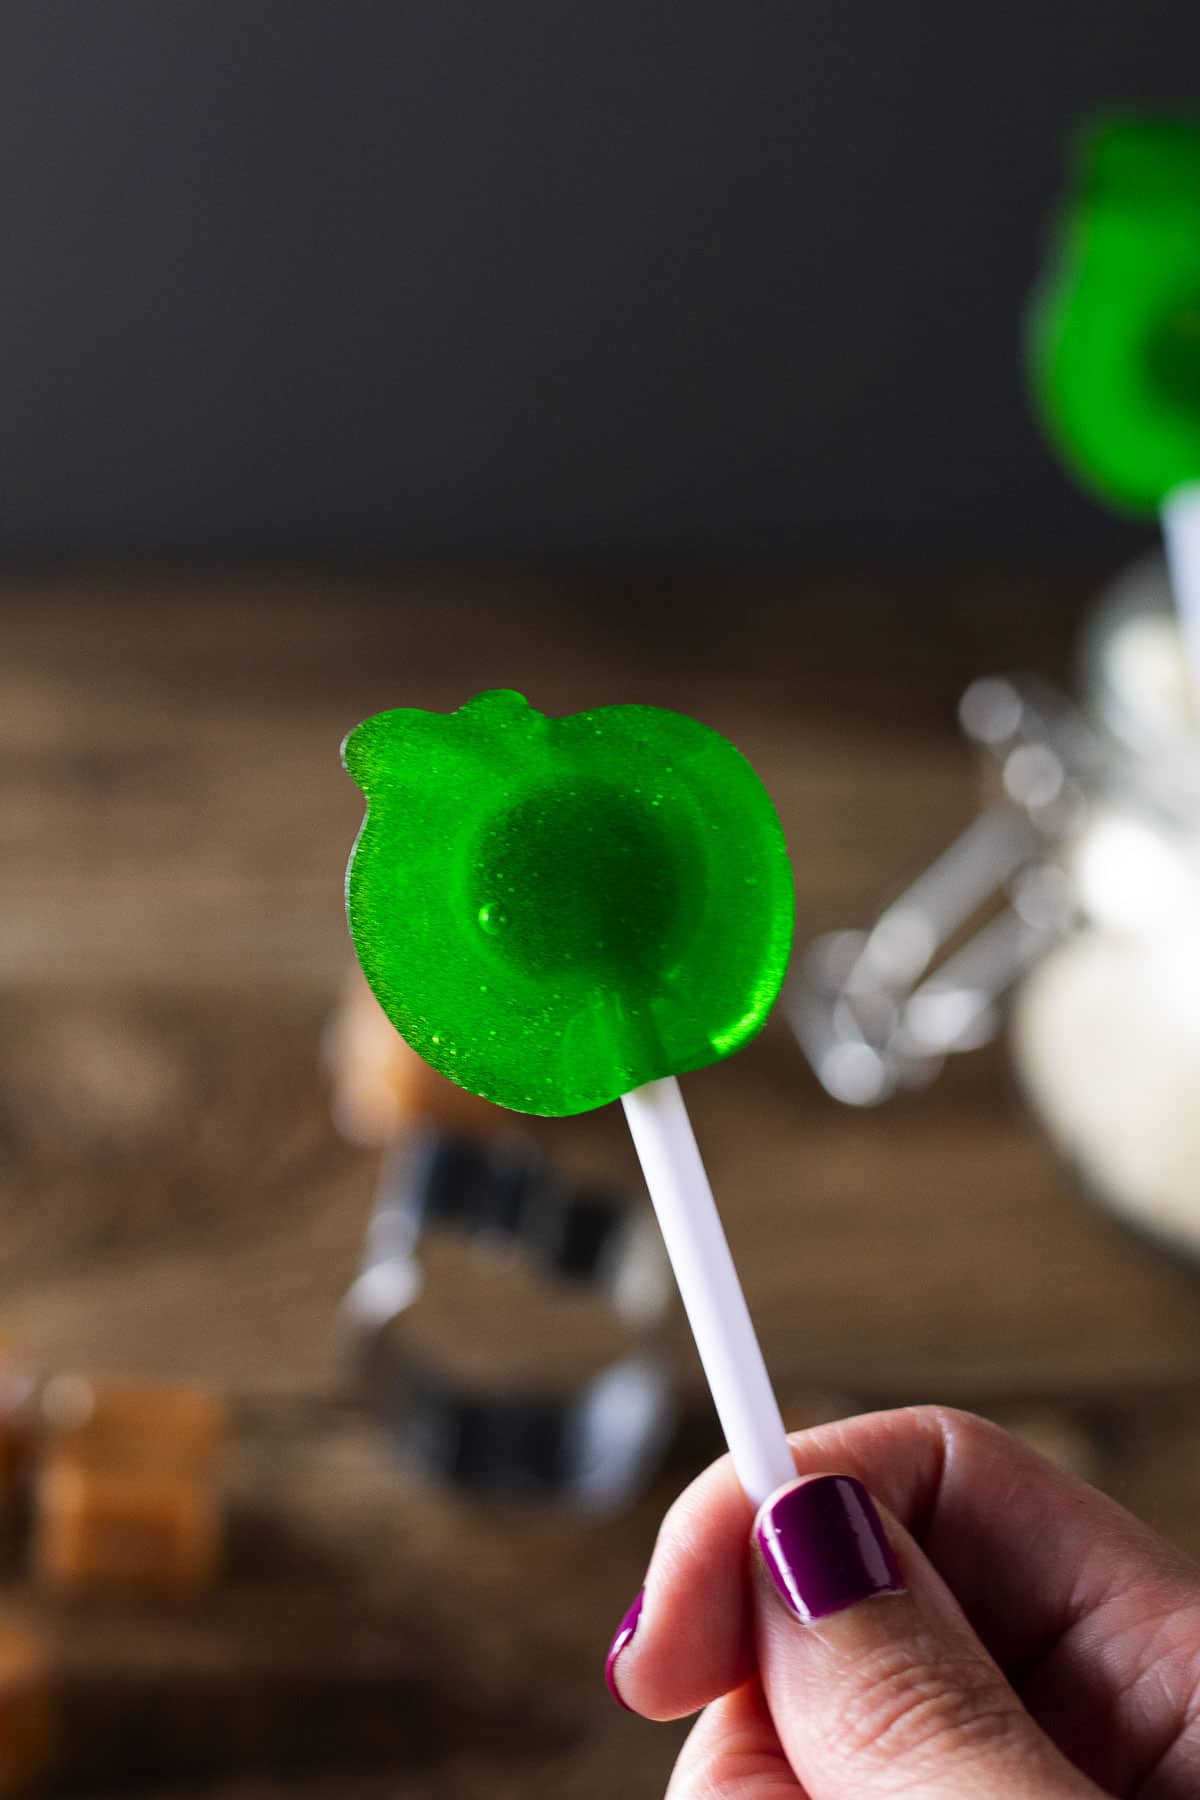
[
  {"x": 916, "y": 1704},
  {"x": 964, "y": 1432},
  {"x": 731, "y": 1756}
]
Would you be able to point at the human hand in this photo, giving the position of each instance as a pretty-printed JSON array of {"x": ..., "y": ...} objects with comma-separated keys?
[{"x": 1002, "y": 1629}]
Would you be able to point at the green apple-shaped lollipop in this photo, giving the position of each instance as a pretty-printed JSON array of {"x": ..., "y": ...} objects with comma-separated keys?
[
  {"x": 1114, "y": 334},
  {"x": 554, "y": 911},
  {"x": 561, "y": 912}
]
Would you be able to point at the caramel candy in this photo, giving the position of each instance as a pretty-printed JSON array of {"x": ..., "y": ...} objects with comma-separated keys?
[
  {"x": 381, "y": 1087},
  {"x": 17, "y": 1390},
  {"x": 127, "y": 1484},
  {"x": 28, "y": 1713},
  {"x": 111, "y": 1421},
  {"x": 99, "y": 1526}
]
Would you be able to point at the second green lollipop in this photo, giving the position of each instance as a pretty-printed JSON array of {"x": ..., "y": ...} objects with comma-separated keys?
[{"x": 1114, "y": 334}]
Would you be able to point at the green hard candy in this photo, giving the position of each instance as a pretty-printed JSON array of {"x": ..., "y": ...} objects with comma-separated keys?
[
  {"x": 554, "y": 911},
  {"x": 1114, "y": 328}
]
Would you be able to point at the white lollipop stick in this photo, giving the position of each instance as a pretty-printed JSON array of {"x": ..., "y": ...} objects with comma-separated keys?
[
  {"x": 708, "y": 1283},
  {"x": 1181, "y": 532}
]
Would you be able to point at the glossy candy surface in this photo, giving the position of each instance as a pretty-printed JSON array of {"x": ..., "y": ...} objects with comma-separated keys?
[
  {"x": 554, "y": 911},
  {"x": 1114, "y": 338}
]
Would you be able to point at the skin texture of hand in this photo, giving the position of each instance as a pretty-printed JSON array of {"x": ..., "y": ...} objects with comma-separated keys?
[{"x": 1018, "y": 1633}]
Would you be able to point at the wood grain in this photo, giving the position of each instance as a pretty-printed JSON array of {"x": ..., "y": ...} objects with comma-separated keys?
[{"x": 173, "y": 828}]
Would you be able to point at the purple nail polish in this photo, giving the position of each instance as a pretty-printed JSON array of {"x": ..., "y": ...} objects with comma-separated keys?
[
  {"x": 826, "y": 1548},
  {"x": 625, "y": 1631}
]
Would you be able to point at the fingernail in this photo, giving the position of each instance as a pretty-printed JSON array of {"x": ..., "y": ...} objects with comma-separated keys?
[
  {"x": 826, "y": 1547},
  {"x": 625, "y": 1631}
]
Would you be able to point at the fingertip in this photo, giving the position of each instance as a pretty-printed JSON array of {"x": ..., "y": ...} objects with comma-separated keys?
[
  {"x": 688, "y": 1636},
  {"x": 699, "y": 1578},
  {"x": 622, "y": 1638},
  {"x": 663, "y": 1664}
]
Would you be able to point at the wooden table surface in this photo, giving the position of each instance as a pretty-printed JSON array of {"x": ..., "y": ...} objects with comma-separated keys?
[{"x": 173, "y": 828}]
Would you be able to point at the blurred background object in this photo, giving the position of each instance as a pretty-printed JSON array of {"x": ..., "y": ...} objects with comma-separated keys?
[
  {"x": 1082, "y": 871},
  {"x": 381, "y": 1088},
  {"x": 365, "y": 356},
  {"x": 507, "y": 1324},
  {"x": 126, "y": 1485},
  {"x": 1076, "y": 892},
  {"x": 30, "y": 1727},
  {"x": 1106, "y": 1032}
]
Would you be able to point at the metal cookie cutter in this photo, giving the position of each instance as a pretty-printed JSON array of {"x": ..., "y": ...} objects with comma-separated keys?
[
  {"x": 878, "y": 1011},
  {"x": 593, "y": 1444}
]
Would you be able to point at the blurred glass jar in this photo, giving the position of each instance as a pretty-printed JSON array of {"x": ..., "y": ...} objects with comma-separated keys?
[
  {"x": 1106, "y": 1027},
  {"x": 1084, "y": 868}
]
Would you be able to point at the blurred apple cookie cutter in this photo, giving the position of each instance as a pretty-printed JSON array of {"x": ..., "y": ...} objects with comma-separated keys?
[{"x": 593, "y": 1445}]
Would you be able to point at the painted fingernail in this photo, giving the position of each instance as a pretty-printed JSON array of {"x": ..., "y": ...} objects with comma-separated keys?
[
  {"x": 625, "y": 1631},
  {"x": 826, "y": 1547}
]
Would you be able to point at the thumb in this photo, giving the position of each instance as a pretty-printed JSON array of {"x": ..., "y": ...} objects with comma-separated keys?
[{"x": 875, "y": 1681}]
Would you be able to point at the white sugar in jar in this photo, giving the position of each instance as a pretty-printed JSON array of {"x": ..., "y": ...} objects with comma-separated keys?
[{"x": 1105, "y": 1028}]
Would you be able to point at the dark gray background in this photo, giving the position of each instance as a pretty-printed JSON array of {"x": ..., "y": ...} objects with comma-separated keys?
[{"x": 486, "y": 278}]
